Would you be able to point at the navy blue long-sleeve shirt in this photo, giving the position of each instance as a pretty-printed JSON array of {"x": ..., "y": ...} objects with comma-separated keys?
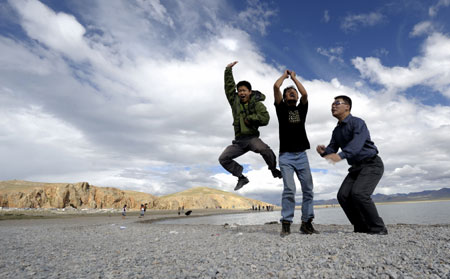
[{"x": 353, "y": 137}]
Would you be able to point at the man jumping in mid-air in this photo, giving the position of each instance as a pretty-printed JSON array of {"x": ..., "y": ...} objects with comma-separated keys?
[
  {"x": 248, "y": 114},
  {"x": 291, "y": 113}
]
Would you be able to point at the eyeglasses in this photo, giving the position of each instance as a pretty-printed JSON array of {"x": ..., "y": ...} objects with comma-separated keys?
[{"x": 337, "y": 103}]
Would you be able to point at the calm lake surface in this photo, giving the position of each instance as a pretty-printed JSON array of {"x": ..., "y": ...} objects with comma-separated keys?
[{"x": 436, "y": 212}]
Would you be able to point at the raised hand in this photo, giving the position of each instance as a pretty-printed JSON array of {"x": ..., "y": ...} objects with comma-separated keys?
[
  {"x": 292, "y": 74},
  {"x": 232, "y": 64}
]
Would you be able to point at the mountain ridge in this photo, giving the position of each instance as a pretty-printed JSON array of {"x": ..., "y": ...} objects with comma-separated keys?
[{"x": 426, "y": 195}]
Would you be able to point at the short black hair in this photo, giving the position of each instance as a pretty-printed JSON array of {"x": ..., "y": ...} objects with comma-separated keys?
[
  {"x": 244, "y": 83},
  {"x": 286, "y": 89},
  {"x": 346, "y": 99}
]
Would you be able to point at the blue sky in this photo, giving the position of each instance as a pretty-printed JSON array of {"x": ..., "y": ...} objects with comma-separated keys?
[{"x": 129, "y": 94}]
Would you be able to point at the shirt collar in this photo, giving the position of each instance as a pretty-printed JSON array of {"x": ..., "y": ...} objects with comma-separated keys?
[{"x": 346, "y": 120}]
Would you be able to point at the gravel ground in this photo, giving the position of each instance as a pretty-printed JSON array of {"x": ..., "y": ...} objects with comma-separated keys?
[{"x": 111, "y": 247}]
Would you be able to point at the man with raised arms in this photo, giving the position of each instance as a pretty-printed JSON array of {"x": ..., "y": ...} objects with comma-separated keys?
[
  {"x": 249, "y": 113},
  {"x": 293, "y": 157}
]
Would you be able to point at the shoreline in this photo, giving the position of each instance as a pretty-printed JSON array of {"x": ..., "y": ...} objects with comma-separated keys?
[{"x": 151, "y": 215}]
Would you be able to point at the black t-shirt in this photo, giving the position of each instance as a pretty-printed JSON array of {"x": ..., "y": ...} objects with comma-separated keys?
[{"x": 292, "y": 131}]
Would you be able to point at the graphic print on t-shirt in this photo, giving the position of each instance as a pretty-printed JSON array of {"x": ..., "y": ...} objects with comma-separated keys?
[{"x": 294, "y": 116}]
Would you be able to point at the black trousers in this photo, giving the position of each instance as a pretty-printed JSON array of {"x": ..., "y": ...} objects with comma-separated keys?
[
  {"x": 354, "y": 195},
  {"x": 242, "y": 146}
]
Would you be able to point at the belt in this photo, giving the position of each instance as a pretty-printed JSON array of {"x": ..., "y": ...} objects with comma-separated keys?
[{"x": 367, "y": 160}]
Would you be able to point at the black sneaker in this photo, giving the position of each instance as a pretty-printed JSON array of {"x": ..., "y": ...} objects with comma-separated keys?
[
  {"x": 241, "y": 182},
  {"x": 276, "y": 173},
  {"x": 285, "y": 229}
]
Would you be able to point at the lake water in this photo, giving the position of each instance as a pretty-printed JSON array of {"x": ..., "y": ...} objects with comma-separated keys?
[{"x": 437, "y": 212}]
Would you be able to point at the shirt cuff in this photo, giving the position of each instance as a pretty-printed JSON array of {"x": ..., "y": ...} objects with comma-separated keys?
[{"x": 342, "y": 155}]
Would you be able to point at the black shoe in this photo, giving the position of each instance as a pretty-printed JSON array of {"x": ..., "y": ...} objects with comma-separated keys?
[
  {"x": 382, "y": 232},
  {"x": 276, "y": 173},
  {"x": 241, "y": 182},
  {"x": 305, "y": 229},
  {"x": 285, "y": 229},
  {"x": 310, "y": 227}
]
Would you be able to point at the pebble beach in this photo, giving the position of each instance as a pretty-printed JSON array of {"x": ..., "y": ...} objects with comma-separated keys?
[{"x": 112, "y": 247}]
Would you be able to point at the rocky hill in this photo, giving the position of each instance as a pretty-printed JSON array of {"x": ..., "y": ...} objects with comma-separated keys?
[
  {"x": 203, "y": 197},
  {"x": 25, "y": 194}
]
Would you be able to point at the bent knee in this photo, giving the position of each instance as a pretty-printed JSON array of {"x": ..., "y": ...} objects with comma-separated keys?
[
  {"x": 223, "y": 158},
  {"x": 360, "y": 197}
]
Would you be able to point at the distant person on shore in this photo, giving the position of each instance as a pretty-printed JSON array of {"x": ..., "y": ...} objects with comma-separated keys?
[
  {"x": 124, "y": 211},
  {"x": 353, "y": 138},
  {"x": 293, "y": 157},
  {"x": 249, "y": 113},
  {"x": 142, "y": 211}
]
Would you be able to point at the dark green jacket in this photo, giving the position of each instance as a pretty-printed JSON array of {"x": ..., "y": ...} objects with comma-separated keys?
[{"x": 254, "y": 111}]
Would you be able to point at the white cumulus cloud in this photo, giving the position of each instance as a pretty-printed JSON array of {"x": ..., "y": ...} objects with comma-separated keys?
[{"x": 431, "y": 68}]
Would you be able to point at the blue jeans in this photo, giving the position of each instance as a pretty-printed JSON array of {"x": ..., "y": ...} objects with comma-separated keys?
[{"x": 290, "y": 163}]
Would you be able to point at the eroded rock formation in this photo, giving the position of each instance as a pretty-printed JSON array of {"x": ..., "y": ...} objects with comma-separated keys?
[
  {"x": 23, "y": 194},
  {"x": 203, "y": 197}
]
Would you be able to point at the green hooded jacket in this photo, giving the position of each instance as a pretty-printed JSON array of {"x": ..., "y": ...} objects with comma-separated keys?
[{"x": 254, "y": 111}]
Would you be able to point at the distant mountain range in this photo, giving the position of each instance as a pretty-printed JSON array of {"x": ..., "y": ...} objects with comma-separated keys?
[{"x": 428, "y": 195}]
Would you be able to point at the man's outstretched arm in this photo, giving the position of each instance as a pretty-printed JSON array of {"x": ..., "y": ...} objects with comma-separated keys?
[
  {"x": 276, "y": 87},
  {"x": 301, "y": 89},
  {"x": 230, "y": 85}
]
